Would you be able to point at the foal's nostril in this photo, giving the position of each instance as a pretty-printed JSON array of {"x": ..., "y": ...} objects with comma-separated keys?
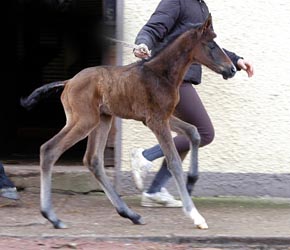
[
  {"x": 229, "y": 72},
  {"x": 233, "y": 70}
]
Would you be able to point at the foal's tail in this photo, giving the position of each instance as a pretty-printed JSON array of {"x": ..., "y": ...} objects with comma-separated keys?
[{"x": 40, "y": 93}]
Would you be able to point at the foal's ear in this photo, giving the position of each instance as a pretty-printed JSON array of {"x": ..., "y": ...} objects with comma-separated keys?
[{"x": 207, "y": 24}]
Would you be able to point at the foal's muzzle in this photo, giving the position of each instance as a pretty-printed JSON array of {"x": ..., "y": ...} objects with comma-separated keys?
[{"x": 229, "y": 73}]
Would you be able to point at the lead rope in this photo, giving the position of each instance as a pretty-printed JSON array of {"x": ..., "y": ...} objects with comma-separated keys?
[{"x": 125, "y": 44}]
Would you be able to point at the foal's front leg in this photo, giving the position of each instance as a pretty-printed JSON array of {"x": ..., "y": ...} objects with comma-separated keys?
[
  {"x": 163, "y": 135},
  {"x": 94, "y": 160},
  {"x": 193, "y": 136}
]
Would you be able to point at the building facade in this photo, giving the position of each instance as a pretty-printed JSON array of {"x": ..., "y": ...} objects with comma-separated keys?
[{"x": 250, "y": 154}]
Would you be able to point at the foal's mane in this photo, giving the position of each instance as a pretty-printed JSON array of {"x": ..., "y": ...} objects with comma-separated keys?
[{"x": 170, "y": 39}]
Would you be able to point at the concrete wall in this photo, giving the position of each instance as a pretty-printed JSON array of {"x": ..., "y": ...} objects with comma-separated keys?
[{"x": 251, "y": 116}]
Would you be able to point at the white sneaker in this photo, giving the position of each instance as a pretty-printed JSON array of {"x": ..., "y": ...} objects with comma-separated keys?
[
  {"x": 140, "y": 167},
  {"x": 160, "y": 199},
  {"x": 10, "y": 193}
]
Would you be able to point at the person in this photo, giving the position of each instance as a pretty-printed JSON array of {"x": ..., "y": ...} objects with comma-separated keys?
[
  {"x": 7, "y": 187},
  {"x": 169, "y": 20}
]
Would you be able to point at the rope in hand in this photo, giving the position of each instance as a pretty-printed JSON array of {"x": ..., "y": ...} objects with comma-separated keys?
[
  {"x": 140, "y": 51},
  {"x": 125, "y": 44}
]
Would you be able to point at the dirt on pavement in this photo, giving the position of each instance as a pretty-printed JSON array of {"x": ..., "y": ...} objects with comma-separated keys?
[{"x": 235, "y": 223}]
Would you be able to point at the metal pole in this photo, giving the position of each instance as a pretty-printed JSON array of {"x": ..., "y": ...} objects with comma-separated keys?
[{"x": 118, "y": 121}]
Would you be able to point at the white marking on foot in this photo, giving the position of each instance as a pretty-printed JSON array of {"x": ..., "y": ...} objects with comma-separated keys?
[{"x": 199, "y": 221}]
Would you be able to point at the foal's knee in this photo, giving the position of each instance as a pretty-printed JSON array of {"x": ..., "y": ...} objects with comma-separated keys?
[
  {"x": 95, "y": 167},
  {"x": 46, "y": 155},
  {"x": 174, "y": 166},
  {"x": 195, "y": 136}
]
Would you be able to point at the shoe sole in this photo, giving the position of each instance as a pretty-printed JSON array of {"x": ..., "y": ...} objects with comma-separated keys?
[
  {"x": 9, "y": 193},
  {"x": 138, "y": 180},
  {"x": 137, "y": 175},
  {"x": 151, "y": 204}
]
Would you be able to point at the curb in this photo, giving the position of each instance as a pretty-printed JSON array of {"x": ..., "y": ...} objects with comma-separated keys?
[
  {"x": 212, "y": 241},
  {"x": 76, "y": 179}
]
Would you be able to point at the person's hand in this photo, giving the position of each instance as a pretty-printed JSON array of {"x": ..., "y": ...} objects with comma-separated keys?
[
  {"x": 142, "y": 51},
  {"x": 247, "y": 66}
]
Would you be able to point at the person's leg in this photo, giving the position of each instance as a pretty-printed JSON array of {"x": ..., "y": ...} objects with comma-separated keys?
[
  {"x": 162, "y": 176},
  {"x": 191, "y": 110},
  {"x": 7, "y": 187}
]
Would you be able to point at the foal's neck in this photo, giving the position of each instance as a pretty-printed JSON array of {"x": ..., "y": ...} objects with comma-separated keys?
[{"x": 173, "y": 62}]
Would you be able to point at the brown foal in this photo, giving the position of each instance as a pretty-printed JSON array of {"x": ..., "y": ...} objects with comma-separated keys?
[{"x": 145, "y": 91}]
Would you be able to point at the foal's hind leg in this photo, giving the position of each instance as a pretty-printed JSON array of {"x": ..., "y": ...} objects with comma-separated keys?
[
  {"x": 192, "y": 134},
  {"x": 163, "y": 134},
  {"x": 49, "y": 154},
  {"x": 94, "y": 159}
]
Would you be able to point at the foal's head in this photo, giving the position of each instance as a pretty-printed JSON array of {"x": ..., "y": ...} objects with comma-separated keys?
[{"x": 208, "y": 52}]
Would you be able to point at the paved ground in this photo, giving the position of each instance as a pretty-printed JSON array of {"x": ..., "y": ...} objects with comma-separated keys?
[{"x": 235, "y": 223}]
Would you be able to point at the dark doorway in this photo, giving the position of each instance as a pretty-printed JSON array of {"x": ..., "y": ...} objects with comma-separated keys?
[{"x": 45, "y": 41}]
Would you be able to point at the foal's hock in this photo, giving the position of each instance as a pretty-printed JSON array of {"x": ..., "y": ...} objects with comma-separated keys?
[{"x": 145, "y": 91}]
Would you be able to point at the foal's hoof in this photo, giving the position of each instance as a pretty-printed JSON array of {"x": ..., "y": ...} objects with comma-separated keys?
[
  {"x": 139, "y": 221},
  {"x": 60, "y": 225},
  {"x": 202, "y": 226}
]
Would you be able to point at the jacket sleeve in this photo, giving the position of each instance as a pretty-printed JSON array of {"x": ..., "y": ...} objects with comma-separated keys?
[
  {"x": 234, "y": 57},
  {"x": 159, "y": 24}
]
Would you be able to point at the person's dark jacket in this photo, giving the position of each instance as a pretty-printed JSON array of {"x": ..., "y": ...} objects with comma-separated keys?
[{"x": 169, "y": 20}]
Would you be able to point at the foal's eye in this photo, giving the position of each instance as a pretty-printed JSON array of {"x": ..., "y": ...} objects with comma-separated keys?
[{"x": 211, "y": 45}]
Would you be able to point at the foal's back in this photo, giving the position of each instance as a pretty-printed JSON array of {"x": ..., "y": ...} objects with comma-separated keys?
[{"x": 131, "y": 92}]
